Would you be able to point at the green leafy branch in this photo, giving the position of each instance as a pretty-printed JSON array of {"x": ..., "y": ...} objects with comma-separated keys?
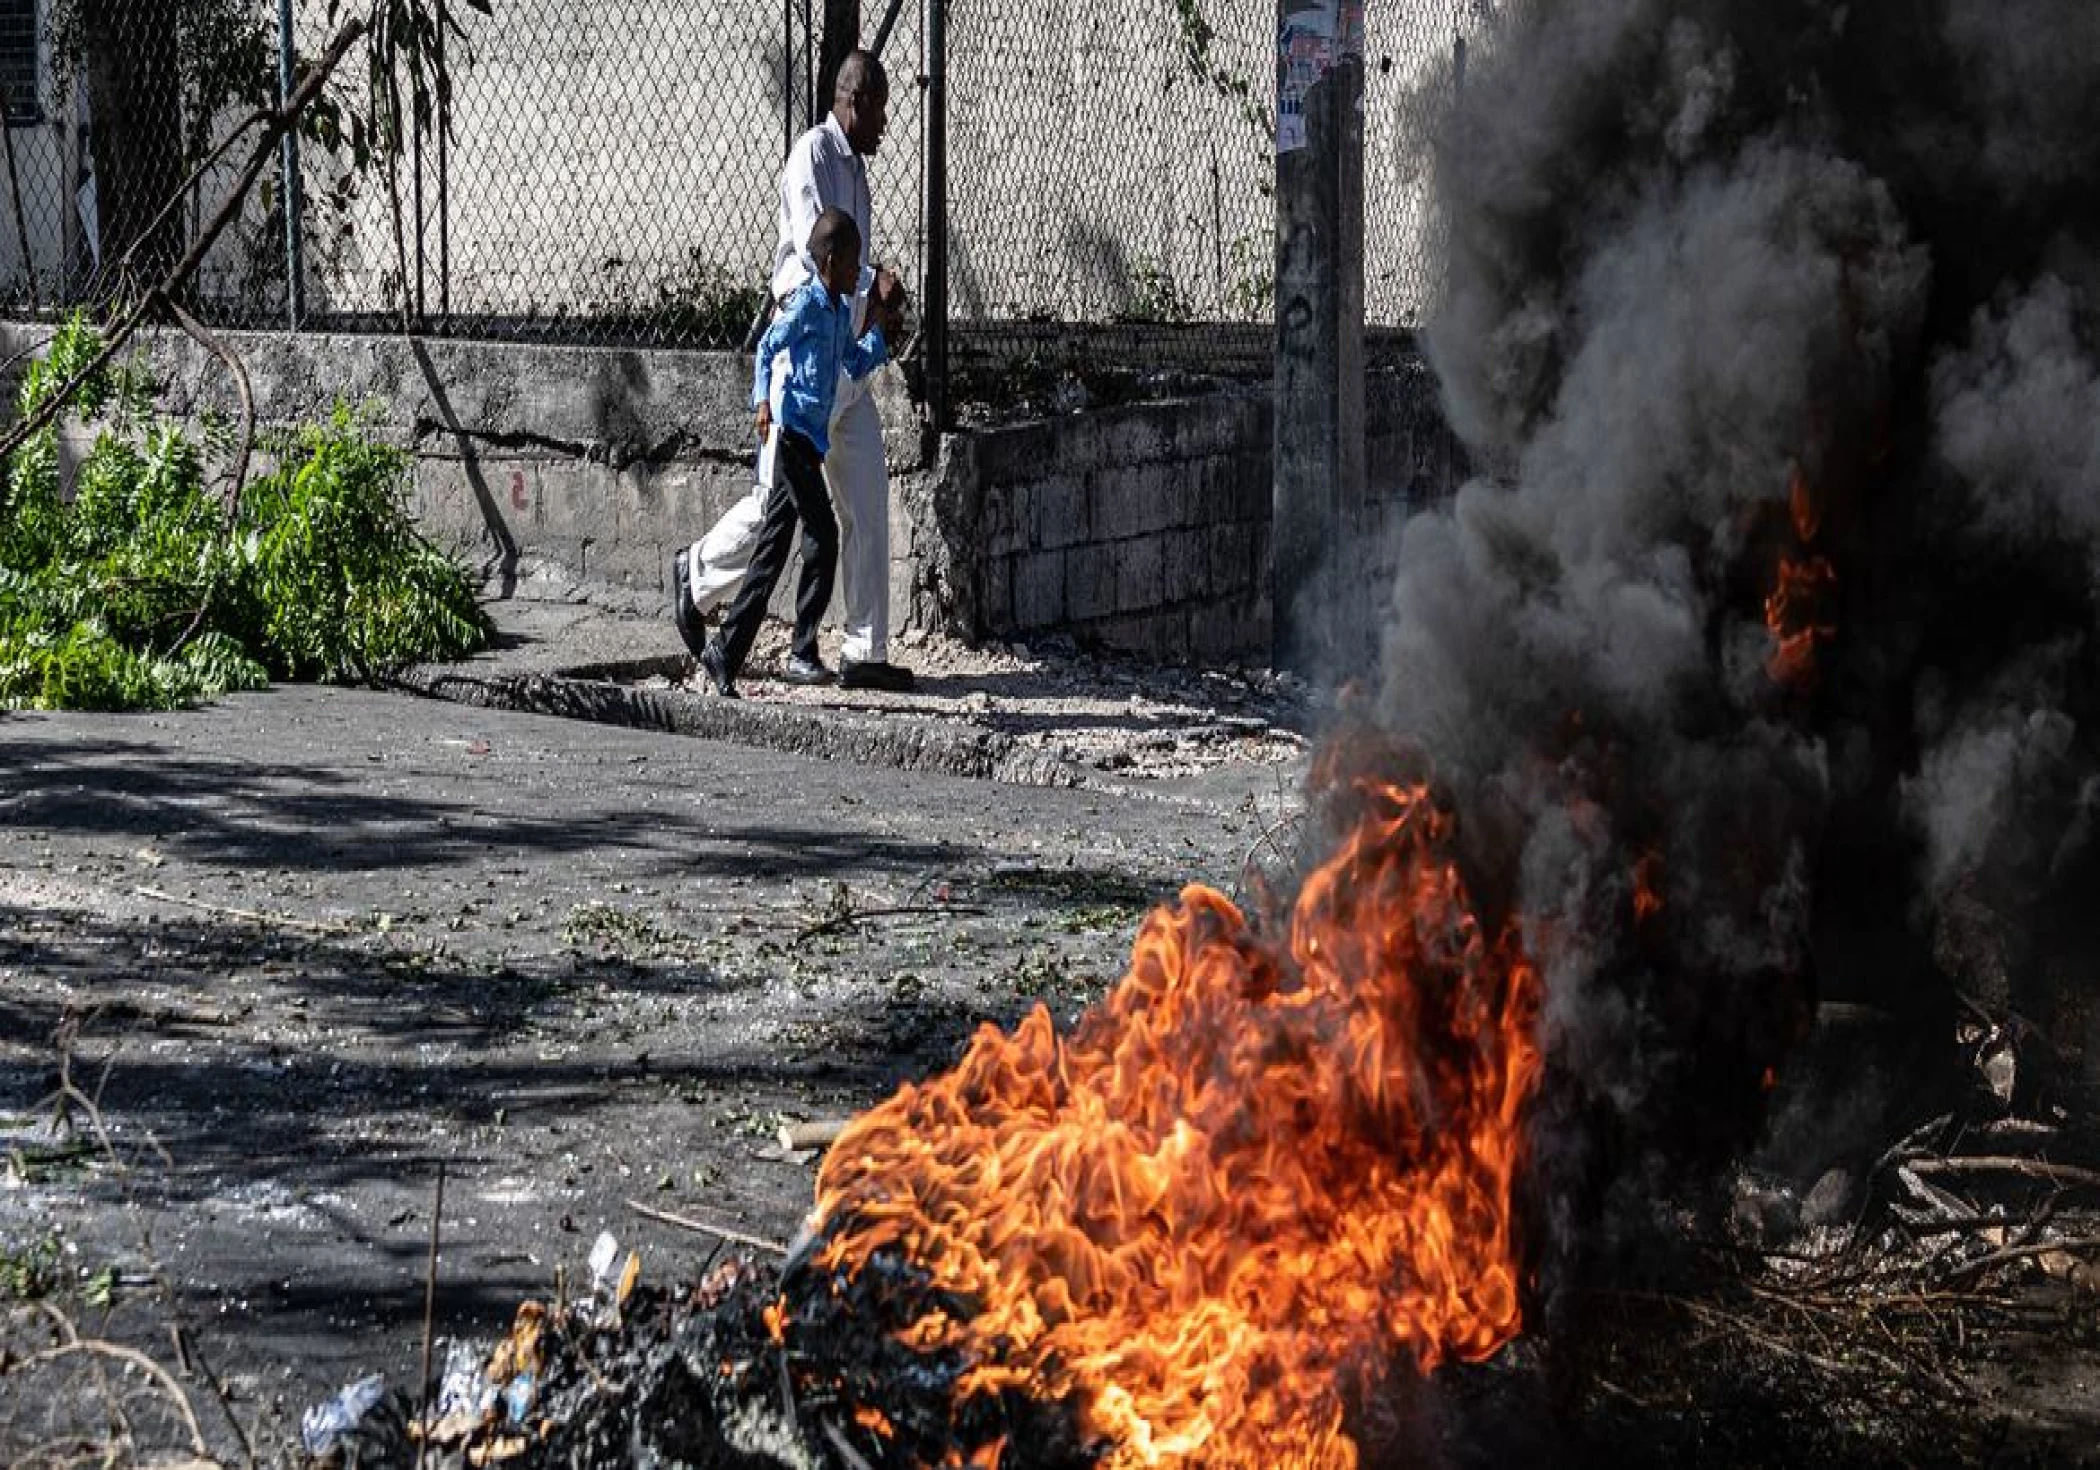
[{"x": 140, "y": 591}]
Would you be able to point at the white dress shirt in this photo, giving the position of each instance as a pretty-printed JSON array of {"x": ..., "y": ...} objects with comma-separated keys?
[{"x": 822, "y": 172}]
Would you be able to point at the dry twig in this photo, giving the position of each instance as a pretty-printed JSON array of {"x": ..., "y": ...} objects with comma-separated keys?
[
  {"x": 2069, "y": 1176},
  {"x": 285, "y": 921},
  {"x": 430, "y": 1283},
  {"x": 851, "y": 917},
  {"x": 1969, "y": 1270},
  {"x": 720, "y": 1232}
]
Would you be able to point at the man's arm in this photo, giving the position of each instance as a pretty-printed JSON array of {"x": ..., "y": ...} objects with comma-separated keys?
[{"x": 865, "y": 355}]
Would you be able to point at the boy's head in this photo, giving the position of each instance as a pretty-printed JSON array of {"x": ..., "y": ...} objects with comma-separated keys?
[{"x": 834, "y": 249}]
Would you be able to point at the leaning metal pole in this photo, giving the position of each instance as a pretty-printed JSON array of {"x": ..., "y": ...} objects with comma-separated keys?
[{"x": 294, "y": 247}]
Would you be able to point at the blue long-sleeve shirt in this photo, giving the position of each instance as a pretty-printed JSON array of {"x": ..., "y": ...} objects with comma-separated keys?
[{"x": 815, "y": 329}]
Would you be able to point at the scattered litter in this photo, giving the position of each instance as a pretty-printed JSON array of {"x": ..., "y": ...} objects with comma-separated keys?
[
  {"x": 325, "y": 1426},
  {"x": 465, "y": 1397},
  {"x": 604, "y": 1251}
]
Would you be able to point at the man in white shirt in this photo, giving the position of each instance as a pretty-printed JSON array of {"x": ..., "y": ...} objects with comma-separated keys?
[{"x": 826, "y": 169}]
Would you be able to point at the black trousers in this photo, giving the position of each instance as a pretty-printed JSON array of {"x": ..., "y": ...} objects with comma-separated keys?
[{"x": 799, "y": 493}]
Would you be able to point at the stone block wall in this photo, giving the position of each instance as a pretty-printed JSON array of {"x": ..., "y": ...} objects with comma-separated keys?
[
  {"x": 1144, "y": 527},
  {"x": 1147, "y": 527}
]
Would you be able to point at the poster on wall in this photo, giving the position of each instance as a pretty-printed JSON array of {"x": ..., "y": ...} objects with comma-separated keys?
[{"x": 1307, "y": 42}]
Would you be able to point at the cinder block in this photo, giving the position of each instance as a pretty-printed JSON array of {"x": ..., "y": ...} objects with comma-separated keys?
[
  {"x": 1223, "y": 423},
  {"x": 1021, "y": 451},
  {"x": 1116, "y": 501},
  {"x": 996, "y": 524},
  {"x": 1057, "y": 512},
  {"x": 995, "y": 598},
  {"x": 570, "y": 497},
  {"x": 684, "y": 500},
  {"x": 1137, "y": 436},
  {"x": 1205, "y": 492},
  {"x": 1163, "y": 636},
  {"x": 1139, "y": 574},
  {"x": 1232, "y": 566},
  {"x": 1235, "y": 628},
  {"x": 1185, "y": 565},
  {"x": 1090, "y": 580},
  {"x": 1253, "y": 488},
  {"x": 1038, "y": 590},
  {"x": 632, "y": 564}
]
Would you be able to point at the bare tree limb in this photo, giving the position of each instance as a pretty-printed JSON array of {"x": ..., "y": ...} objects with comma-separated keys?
[
  {"x": 180, "y": 197},
  {"x": 96, "y": 1347},
  {"x": 217, "y": 347}
]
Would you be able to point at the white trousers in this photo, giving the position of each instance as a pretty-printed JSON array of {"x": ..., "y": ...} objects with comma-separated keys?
[{"x": 859, "y": 480}]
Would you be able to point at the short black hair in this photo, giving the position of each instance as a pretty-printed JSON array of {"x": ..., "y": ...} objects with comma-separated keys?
[
  {"x": 834, "y": 230},
  {"x": 860, "y": 75}
]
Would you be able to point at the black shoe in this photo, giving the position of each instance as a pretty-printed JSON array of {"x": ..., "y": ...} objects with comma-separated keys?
[
  {"x": 717, "y": 670},
  {"x": 872, "y": 674},
  {"x": 800, "y": 670},
  {"x": 692, "y": 628}
]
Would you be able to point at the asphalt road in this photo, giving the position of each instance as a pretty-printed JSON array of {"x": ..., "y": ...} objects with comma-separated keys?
[{"x": 304, "y": 947}]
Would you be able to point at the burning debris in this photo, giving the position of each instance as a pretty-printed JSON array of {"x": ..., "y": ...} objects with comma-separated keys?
[
  {"x": 1761, "y": 673},
  {"x": 1265, "y": 1168}
]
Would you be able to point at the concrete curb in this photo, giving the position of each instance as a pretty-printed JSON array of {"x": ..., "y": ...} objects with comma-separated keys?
[{"x": 591, "y": 692}]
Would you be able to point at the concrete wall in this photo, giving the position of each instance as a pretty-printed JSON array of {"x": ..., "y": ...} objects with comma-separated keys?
[
  {"x": 1147, "y": 527},
  {"x": 575, "y": 472},
  {"x": 550, "y": 470}
]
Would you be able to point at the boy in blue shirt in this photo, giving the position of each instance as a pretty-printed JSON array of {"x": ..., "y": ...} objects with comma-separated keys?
[{"x": 815, "y": 330}]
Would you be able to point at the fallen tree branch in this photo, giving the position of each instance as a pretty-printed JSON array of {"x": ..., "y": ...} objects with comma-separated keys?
[
  {"x": 218, "y": 348},
  {"x": 430, "y": 1286},
  {"x": 116, "y": 1351},
  {"x": 253, "y": 916},
  {"x": 1970, "y": 1269}
]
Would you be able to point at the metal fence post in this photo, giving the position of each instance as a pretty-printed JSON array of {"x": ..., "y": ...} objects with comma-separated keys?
[
  {"x": 841, "y": 35},
  {"x": 933, "y": 312},
  {"x": 294, "y": 245},
  {"x": 444, "y": 168}
]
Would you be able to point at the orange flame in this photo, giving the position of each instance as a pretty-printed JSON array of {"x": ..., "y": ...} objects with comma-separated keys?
[
  {"x": 1803, "y": 507},
  {"x": 1246, "y": 1176},
  {"x": 1795, "y": 609},
  {"x": 872, "y": 1419},
  {"x": 1647, "y": 893}
]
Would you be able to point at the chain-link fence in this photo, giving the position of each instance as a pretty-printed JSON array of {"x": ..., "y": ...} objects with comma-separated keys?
[
  {"x": 597, "y": 170},
  {"x": 1113, "y": 162},
  {"x": 605, "y": 170}
]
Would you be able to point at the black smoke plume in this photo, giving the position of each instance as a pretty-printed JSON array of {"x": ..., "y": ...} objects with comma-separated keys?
[{"x": 1744, "y": 299}]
